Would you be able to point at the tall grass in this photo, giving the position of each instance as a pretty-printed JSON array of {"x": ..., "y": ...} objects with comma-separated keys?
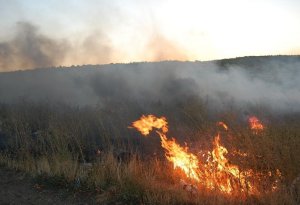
[{"x": 55, "y": 144}]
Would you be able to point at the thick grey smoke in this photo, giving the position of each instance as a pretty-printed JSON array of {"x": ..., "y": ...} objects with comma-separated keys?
[
  {"x": 272, "y": 82},
  {"x": 29, "y": 49}
]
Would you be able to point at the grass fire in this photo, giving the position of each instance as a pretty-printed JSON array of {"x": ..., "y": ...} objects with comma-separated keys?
[
  {"x": 215, "y": 172},
  {"x": 255, "y": 124},
  {"x": 152, "y": 133},
  {"x": 162, "y": 102}
]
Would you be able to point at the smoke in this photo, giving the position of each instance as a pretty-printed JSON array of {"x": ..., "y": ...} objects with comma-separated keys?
[
  {"x": 160, "y": 48},
  {"x": 272, "y": 82},
  {"x": 96, "y": 48},
  {"x": 29, "y": 49}
]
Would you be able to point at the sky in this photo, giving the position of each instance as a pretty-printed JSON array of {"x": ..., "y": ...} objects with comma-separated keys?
[{"x": 40, "y": 33}]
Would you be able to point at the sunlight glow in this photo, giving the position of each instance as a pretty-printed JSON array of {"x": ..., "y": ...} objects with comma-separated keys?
[{"x": 112, "y": 31}]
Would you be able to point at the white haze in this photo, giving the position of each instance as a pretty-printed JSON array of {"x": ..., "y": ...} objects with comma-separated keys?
[{"x": 269, "y": 81}]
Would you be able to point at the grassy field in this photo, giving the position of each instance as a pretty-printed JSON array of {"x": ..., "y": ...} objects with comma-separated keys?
[
  {"x": 93, "y": 150},
  {"x": 72, "y": 128}
]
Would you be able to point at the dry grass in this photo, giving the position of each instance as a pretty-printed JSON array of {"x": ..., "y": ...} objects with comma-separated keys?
[{"x": 55, "y": 153}]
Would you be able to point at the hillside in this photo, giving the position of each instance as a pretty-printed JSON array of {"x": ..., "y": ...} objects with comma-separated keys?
[
  {"x": 240, "y": 80},
  {"x": 217, "y": 132}
]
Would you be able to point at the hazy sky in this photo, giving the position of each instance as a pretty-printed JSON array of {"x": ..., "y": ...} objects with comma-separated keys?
[{"x": 104, "y": 31}]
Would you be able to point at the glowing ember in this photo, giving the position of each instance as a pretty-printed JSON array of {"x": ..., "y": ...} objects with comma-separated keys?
[
  {"x": 240, "y": 153},
  {"x": 255, "y": 124},
  {"x": 222, "y": 124}
]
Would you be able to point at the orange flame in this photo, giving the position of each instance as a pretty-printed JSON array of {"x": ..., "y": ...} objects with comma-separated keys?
[
  {"x": 222, "y": 124},
  {"x": 215, "y": 173},
  {"x": 255, "y": 124},
  {"x": 147, "y": 123},
  {"x": 180, "y": 157},
  {"x": 227, "y": 176}
]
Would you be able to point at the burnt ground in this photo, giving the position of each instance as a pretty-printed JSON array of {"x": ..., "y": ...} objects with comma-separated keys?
[{"x": 17, "y": 188}]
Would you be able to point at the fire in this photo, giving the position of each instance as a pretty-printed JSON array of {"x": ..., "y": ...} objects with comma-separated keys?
[
  {"x": 214, "y": 173},
  {"x": 240, "y": 153},
  {"x": 255, "y": 124},
  {"x": 226, "y": 176},
  {"x": 147, "y": 123},
  {"x": 180, "y": 157},
  {"x": 222, "y": 124}
]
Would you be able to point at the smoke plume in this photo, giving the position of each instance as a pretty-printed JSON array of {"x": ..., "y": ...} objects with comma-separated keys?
[
  {"x": 29, "y": 49},
  {"x": 272, "y": 82}
]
